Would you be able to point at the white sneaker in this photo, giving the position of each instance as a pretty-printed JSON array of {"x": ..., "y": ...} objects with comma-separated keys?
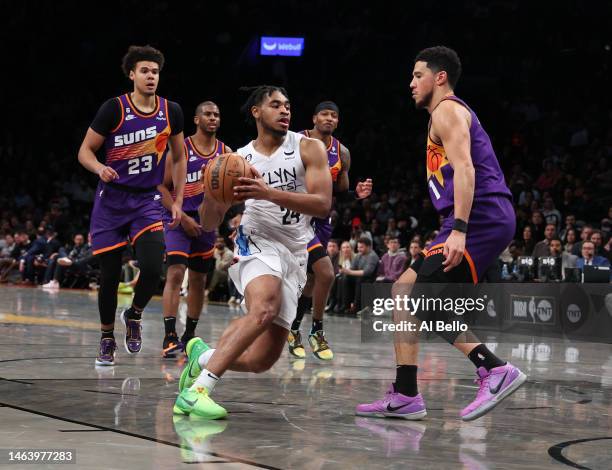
[
  {"x": 51, "y": 285},
  {"x": 231, "y": 300}
]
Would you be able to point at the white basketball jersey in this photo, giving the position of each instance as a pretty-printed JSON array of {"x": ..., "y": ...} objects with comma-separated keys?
[{"x": 283, "y": 170}]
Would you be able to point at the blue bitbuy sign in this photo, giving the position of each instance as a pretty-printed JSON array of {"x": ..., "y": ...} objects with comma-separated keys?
[{"x": 281, "y": 46}]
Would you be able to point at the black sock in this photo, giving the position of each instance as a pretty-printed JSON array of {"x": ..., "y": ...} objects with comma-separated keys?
[
  {"x": 304, "y": 304},
  {"x": 317, "y": 325},
  {"x": 190, "y": 326},
  {"x": 170, "y": 325},
  {"x": 108, "y": 333},
  {"x": 134, "y": 314},
  {"x": 406, "y": 380},
  {"x": 482, "y": 357}
]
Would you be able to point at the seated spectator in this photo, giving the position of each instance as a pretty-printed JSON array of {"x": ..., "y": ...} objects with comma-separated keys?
[
  {"x": 585, "y": 235},
  {"x": 542, "y": 248},
  {"x": 551, "y": 215},
  {"x": 35, "y": 261},
  {"x": 392, "y": 263},
  {"x": 359, "y": 233},
  {"x": 537, "y": 226},
  {"x": 21, "y": 247},
  {"x": 414, "y": 251},
  {"x": 6, "y": 259},
  {"x": 7, "y": 246},
  {"x": 569, "y": 240},
  {"x": 333, "y": 251},
  {"x": 345, "y": 260},
  {"x": 588, "y": 257},
  {"x": 567, "y": 259},
  {"x": 597, "y": 239},
  {"x": 71, "y": 265},
  {"x": 363, "y": 269},
  {"x": 528, "y": 240},
  {"x": 217, "y": 287}
]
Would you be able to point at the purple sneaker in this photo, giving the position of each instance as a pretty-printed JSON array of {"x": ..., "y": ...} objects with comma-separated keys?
[
  {"x": 106, "y": 355},
  {"x": 495, "y": 385},
  {"x": 133, "y": 333},
  {"x": 394, "y": 405}
]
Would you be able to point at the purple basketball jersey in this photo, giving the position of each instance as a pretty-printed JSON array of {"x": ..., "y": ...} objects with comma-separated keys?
[
  {"x": 333, "y": 156},
  {"x": 196, "y": 161},
  {"x": 323, "y": 228},
  {"x": 136, "y": 148},
  {"x": 489, "y": 178}
]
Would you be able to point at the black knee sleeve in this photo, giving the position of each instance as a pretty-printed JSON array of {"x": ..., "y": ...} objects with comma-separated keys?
[
  {"x": 110, "y": 274},
  {"x": 149, "y": 251},
  {"x": 201, "y": 265},
  {"x": 436, "y": 287}
]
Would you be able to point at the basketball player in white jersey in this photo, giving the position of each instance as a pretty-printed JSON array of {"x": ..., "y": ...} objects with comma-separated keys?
[{"x": 292, "y": 183}]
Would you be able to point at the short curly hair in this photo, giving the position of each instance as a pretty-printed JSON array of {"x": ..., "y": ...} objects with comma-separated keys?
[
  {"x": 442, "y": 58},
  {"x": 137, "y": 54}
]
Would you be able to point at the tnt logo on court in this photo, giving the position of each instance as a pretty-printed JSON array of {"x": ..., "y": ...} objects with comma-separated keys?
[
  {"x": 544, "y": 310},
  {"x": 573, "y": 313},
  {"x": 532, "y": 309}
]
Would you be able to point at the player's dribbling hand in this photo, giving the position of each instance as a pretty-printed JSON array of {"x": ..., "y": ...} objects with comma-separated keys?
[
  {"x": 363, "y": 189},
  {"x": 107, "y": 174},
  {"x": 453, "y": 250},
  {"x": 176, "y": 216},
  {"x": 191, "y": 227},
  {"x": 251, "y": 188}
]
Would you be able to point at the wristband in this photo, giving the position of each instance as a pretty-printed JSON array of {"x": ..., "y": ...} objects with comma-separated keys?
[{"x": 460, "y": 225}]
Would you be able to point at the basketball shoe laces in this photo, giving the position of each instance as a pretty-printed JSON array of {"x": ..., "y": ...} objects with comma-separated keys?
[
  {"x": 322, "y": 342},
  {"x": 483, "y": 385},
  {"x": 106, "y": 347},
  {"x": 133, "y": 326}
]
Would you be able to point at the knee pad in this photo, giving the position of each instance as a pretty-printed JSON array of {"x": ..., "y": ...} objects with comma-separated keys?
[
  {"x": 149, "y": 250},
  {"x": 201, "y": 265}
]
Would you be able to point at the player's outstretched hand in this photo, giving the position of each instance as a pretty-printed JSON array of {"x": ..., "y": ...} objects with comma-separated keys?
[
  {"x": 364, "y": 189},
  {"x": 251, "y": 188},
  {"x": 177, "y": 212},
  {"x": 107, "y": 174},
  {"x": 453, "y": 250}
]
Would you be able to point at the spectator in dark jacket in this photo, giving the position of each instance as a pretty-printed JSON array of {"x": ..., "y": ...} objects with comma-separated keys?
[
  {"x": 35, "y": 261},
  {"x": 73, "y": 262},
  {"x": 21, "y": 247}
]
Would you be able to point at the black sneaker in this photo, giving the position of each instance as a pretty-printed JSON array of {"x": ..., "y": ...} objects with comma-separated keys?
[{"x": 170, "y": 345}]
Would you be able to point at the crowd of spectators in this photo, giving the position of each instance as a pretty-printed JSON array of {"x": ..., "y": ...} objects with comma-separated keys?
[{"x": 555, "y": 147}]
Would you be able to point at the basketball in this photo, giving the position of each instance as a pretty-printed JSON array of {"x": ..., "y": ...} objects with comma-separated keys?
[{"x": 221, "y": 175}]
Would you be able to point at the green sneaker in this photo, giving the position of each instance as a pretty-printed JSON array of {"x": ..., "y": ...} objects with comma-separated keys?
[
  {"x": 197, "y": 403},
  {"x": 195, "y": 347},
  {"x": 195, "y": 437}
]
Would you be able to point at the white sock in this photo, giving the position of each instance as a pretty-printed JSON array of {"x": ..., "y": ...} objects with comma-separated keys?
[
  {"x": 206, "y": 379},
  {"x": 205, "y": 357}
]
